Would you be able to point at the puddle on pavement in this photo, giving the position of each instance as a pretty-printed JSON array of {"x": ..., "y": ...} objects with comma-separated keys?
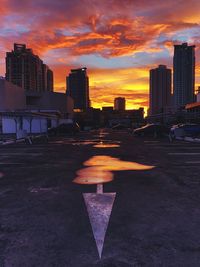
[
  {"x": 99, "y": 169},
  {"x": 95, "y": 142},
  {"x": 1, "y": 174},
  {"x": 115, "y": 164},
  {"x": 83, "y": 143},
  {"x": 106, "y": 145},
  {"x": 100, "y": 136},
  {"x": 93, "y": 175},
  {"x": 76, "y": 142}
]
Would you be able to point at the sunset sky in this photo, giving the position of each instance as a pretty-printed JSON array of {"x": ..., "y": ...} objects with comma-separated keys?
[{"x": 117, "y": 40}]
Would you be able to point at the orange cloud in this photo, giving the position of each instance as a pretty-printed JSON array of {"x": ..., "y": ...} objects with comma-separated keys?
[{"x": 67, "y": 30}]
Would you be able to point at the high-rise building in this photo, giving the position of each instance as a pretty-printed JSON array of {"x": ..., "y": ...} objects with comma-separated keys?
[
  {"x": 27, "y": 70},
  {"x": 78, "y": 88},
  {"x": 47, "y": 78},
  {"x": 120, "y": 103},
  {"x": 184, "y": 74},
  {"x": 160, "y": 89}
]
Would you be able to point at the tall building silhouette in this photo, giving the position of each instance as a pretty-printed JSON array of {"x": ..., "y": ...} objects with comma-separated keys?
[
  {"x": 120, "y": 103},
  {"x": 47, "y": 78},
  {"x": 160, "y": 90},
  {"x": 184, "y": 74},
  {"x": 78, "y": 88},
  {"x": 25, "y": 69}
]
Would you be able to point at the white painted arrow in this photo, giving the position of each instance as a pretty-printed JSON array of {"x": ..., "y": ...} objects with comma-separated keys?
[{"x": 99, "y": 206}]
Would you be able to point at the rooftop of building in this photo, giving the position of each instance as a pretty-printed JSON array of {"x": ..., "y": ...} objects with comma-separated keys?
[
  {"x": 79, "y": 70},
  {"x": 120, "y": 98},
  {"x": 183, "y": 45},
  {"x": 161, "y": 67},
  {"x": 30, "y": 113}
]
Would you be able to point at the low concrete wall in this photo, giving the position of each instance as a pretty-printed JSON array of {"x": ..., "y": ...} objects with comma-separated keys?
[
  {"x": 50, "y": 101},
  {"x": 35, "y": 125}
]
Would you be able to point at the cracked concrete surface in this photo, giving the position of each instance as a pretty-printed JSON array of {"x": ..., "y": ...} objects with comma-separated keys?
[{"x": 154, "y": 222}]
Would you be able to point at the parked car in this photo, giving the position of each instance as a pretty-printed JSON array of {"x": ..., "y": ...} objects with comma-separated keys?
[
  {"x": 188, "y": 129},
  {"x": 65, "y": 128},
  {"x": 155, "y": 130}
]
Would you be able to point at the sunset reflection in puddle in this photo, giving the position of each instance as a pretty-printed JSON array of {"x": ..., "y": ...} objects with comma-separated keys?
[
  {"x": 93, "y": 175},
  {"x": 101, "y": 134},
  {"x": 99, "y": 169},
  {"x": 106, "y": 145},
  {"x": 83, "y": 143}
]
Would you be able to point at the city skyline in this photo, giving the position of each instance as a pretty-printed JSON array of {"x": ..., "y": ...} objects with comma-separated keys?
[{"x": 118, "y": 48}]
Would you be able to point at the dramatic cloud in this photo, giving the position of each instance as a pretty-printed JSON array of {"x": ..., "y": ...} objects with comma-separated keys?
[{"x": 119, "y": 41}]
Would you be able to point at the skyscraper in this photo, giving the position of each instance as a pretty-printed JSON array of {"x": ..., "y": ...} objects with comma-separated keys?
[
  {"x": 160, "y": 89},
  {"x": 184, "y": 74},
  {"x": 27, "y": 70},
  {"x": 47, "y": 78},
  {"x": 78, "y": 88},
  {"x": 120, "y": 103}
]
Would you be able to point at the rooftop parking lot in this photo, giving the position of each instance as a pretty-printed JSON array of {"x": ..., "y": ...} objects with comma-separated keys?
[{"x": 155, "y": 217}]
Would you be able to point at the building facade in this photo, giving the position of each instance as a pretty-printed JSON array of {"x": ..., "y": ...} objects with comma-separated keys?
[
  {"x": 184, "y": 74},
  {"x": 31, "y": 111},
  {"x": 160, "y": 90},
  {"x": 120, "y": 103},
  {"x": 25, "y": 69},
  {"x": 12, "y": 97},
  {"x": 47, "y": 78},
  {"x": 49, "y": 101},
  {"x": 77, "y": 84}
]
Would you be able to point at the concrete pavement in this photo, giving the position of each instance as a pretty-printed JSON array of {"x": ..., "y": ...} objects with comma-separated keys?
[{"x": 155, "y": 218}]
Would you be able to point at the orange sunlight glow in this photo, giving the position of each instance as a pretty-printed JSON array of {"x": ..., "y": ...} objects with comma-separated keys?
[
  {"x": 99, "y": 169},
  {"x": 107, "y": 84}
]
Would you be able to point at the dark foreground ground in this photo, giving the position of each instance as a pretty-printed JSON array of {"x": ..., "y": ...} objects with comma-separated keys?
[{"x": 155, "y": 219}]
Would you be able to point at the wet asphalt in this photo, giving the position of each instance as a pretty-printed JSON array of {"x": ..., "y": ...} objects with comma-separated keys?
[{"x": 155, "y": 219}]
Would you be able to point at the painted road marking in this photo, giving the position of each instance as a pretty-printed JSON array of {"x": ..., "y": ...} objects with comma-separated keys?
[
  {"x": 100, "y": 188},
  {"x": 10, "y": 163},
  {"x": 175, "y": 147},
  {"x": 22, "y": 154},
  {"x": 170, "y": 144},
  {"x": 151, "y": 142},
  {"x": 183, "y": 153},
  {"x": 99, "y": 207},
  {"x": 187, "y": 147},
  {"x": 192, "y": 162}
]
